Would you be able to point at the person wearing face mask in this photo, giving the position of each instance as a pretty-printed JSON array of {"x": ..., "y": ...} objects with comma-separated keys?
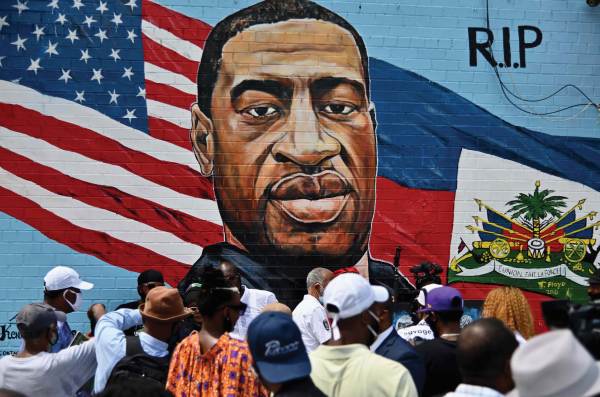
[
  {"x": 62, "y": 291},
  {"x": 344, "y": 366},
  {"x": 310, "y": 315},
  {"x": 443, "y": 310},
  {"x": 391, "y": 345},
  {"x": 211, "y": 362},
  {"x": 36, "y": 371}
]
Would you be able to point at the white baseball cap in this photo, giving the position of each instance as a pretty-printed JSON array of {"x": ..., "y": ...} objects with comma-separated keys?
[
  {"x": 423, "y": 292},
  {"x": 62, "y": 277},
  {"x": 350, "y": 294}
]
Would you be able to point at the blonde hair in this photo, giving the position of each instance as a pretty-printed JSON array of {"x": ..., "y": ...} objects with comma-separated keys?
[{"x": 509, "y": 305}]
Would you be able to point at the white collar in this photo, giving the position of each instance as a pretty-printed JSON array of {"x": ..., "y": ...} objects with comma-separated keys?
[{"x": 381, "y": 338}]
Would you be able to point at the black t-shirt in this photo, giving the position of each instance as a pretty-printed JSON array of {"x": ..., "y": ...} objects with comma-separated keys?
[
  {"x": 441, "y": 368},
  {"x": 300, "y": 388}
]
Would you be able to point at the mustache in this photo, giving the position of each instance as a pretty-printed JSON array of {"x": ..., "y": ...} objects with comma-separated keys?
[{"x": 325, "y": 184}]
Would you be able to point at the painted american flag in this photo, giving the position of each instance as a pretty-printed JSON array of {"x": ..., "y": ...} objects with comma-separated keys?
[{"x": 94, "y": 118}]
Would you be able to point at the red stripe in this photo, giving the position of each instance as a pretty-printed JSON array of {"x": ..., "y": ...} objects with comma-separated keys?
[
  {"x": 168, "y": 59},
  {"x": 99, "y": 244},
  {"x": 95, "y": 146},
  {"x": 184, "y": 27},
  {"x": 166, "y": 131},
  {"x": 184, "y": 226},
  {"x": 169, "y": 95},
  {"x": 419, "y": 221}
]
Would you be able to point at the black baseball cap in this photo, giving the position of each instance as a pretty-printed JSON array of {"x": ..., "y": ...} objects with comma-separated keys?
[
  {"x": 277, "y": 348},
  {"x": 150, "y": 276}
]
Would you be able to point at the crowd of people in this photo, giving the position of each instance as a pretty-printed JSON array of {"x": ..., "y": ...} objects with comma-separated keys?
[{"x": 213, "y": 336}]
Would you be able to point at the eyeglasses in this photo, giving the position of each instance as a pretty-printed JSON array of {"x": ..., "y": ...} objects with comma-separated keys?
[{"x": 241, "y": 307}]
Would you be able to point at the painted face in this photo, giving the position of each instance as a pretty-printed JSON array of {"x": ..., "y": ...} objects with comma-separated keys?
[{"x": 293, "y": 144}]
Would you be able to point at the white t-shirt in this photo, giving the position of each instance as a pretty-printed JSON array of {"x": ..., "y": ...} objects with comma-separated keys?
[
  {"x": 311, "y": 318},
  {"x": 50, "y": 374},
  {"x": 421, "y": 330},
  {"x": 256, "y": 299}
]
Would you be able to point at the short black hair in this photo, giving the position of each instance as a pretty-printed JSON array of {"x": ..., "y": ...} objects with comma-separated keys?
[
  {"x": 450, "y": 316},
  {"x": 54, "y": 294},
  {"x": 265, "y": 12},
  {"x": 484, "y": 349}
]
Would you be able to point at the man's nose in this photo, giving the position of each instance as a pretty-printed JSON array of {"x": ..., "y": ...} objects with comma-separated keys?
[{"x": 305, "y": 142}]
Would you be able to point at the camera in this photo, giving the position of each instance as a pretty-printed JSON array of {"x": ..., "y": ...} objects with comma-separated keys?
[
  {"x": 592, "y": 3},
  {"x": 583, "y": 320}
]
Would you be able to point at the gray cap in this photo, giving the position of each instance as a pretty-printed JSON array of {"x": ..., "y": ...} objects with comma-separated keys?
[{"x": 36, "y": 317}]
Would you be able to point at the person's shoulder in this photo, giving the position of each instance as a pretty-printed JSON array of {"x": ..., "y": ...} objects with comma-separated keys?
[
  {"x": 261, "y": 293},
  {"x": 384, "y": 366},
  {"x": 308, "y": 306},
  {"x": 129, "y": 305}
]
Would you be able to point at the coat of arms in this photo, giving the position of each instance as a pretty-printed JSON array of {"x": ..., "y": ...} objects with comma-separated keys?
[{"x": 536, "y": 244}]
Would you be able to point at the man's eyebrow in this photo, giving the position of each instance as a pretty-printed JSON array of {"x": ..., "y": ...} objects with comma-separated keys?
[
  {"x": 329, "y": 83},
  {"x": 272, "y": 87}
]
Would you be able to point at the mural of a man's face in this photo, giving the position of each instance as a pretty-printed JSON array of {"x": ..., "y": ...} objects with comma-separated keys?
[{"x": 291, "y": 143}]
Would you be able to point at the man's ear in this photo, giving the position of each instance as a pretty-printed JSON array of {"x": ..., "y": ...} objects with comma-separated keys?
[{"x": 202, "y": 137}]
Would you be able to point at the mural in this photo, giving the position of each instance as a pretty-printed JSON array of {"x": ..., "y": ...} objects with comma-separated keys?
[
  {"x": 287, "y": 131},
  {"x": 303, "y": 151}
]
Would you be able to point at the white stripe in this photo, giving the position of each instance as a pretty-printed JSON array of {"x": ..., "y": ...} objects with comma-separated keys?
[
  {"x": 169, "y": 113},
  {"x": 99, "y": 173},
  {"x": 75, "y": 113},
  {"x": 167, "y": 39},
  {"x": 88, "y": 217},
  {"x": 163, "y": 76}
]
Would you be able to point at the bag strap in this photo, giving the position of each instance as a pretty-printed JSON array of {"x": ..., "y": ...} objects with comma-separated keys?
[{"x": 133, "y": 346}]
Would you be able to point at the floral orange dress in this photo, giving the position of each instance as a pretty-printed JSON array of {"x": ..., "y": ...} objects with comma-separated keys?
[{"x": 223, "y": 371}]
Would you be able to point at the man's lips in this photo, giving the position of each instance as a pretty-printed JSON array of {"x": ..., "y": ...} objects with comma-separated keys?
[{"x": 318, "y": 198}]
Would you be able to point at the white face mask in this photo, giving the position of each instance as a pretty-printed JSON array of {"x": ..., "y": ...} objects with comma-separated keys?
[{"x": 78, "y": 300}]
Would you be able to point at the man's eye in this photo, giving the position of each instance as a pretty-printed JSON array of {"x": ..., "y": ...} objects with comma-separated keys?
[
  {"x": 338, "y": 108},
  {"x": 262, "y": 111}
]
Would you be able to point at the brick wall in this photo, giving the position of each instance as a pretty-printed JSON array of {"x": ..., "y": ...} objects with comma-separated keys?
[{"x": 427, "y": 37}]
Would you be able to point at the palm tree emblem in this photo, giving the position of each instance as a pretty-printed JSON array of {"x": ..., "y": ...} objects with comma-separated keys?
[{"x": 537, "y": 208}]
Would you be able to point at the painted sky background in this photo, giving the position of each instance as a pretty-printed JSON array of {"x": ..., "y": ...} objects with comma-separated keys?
[{"x": 430, "y": 37}]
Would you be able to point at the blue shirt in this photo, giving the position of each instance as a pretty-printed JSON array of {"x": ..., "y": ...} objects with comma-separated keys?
[
  {"x": 111, "y": 343},
  {"x": 65, "y": 336}
]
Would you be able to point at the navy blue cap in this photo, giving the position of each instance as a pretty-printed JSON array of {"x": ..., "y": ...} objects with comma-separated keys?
[{"x": 277, "y": 348}]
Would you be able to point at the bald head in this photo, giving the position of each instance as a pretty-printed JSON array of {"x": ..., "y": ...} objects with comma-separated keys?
[
  {"x": 277, "y": 307},
  {"x": 483, "y": 353}
]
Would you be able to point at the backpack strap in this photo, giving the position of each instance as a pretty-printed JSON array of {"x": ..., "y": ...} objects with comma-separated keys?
[{"x": 133, "y": 346}]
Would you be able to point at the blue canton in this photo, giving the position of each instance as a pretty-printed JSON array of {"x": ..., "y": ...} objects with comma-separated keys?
[{"x": 87, "y": 51}]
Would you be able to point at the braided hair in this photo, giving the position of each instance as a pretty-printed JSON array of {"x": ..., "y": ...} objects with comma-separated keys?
[
  {"x": 509, "y": 305},
  {"x": 213, "y": 290}
]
